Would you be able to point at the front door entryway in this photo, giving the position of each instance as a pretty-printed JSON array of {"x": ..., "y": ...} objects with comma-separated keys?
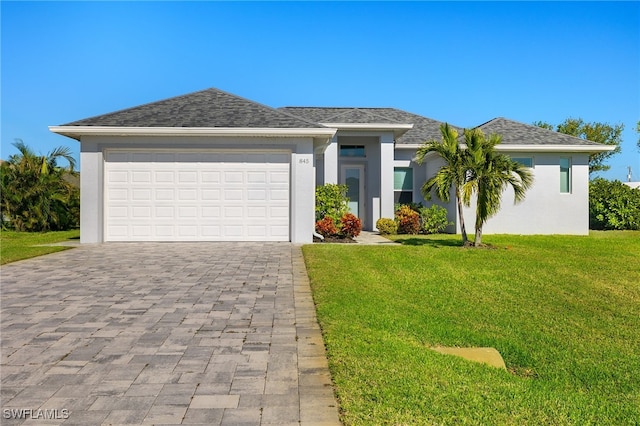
[{"x": 353, "y": 177}]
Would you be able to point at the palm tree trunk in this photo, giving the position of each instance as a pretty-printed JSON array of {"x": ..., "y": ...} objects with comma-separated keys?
[
  {"x": 478, "y": 240},
  {"x": 463, "y": 229}
]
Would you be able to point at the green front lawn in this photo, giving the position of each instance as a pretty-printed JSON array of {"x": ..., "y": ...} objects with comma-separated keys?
[
  {"x": 23, "y": 245},
  {"x": 563, "y": 311}
]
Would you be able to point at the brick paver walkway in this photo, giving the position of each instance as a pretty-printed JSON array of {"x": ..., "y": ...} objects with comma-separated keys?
[{"x": 180, "y": 333}]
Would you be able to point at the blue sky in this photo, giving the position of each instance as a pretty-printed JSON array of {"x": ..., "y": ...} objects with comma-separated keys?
[{"x": 464, "y": 63}]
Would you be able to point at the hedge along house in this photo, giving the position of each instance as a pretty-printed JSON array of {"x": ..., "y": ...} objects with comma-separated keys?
[{"x": 211, "y": 166}]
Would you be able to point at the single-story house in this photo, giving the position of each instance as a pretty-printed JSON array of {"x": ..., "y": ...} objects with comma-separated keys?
[{"x": 212, "y": 166}]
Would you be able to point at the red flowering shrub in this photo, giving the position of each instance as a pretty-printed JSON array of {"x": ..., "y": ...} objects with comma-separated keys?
[
  {"x": 408, "y": 220},
  {"x": 351, "y": 225},
  {"x": 326, "y": 227}
]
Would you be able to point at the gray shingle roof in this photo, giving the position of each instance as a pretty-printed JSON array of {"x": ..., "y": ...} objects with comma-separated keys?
[
  {"x": 206, "y": 108},
  {"x": 215, "y": 108},
  {"x": 360, "y": 115},
  {"x": 516, "y": 133},
  {"x": 315, "y": 114},
  {"x": 423, "y": 128}
]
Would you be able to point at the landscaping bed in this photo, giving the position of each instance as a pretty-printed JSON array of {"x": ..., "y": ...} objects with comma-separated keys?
[{"x": 335, "y": 239}]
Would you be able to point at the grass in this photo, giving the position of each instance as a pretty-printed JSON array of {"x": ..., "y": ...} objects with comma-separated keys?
[
  {"x": 563, "y": 311},
  {"x": 24, "y": 245}
]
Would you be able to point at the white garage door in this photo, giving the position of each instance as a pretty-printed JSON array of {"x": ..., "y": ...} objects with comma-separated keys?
[{"x": 196, "y": 196}]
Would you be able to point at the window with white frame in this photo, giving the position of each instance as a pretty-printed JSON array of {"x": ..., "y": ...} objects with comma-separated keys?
[
  {"x": 403, "y": 185},
  {"x": 565, "y": 175}
]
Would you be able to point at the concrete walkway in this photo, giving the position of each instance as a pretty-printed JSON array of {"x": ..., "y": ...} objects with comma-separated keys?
[
  {"x": 373, "y": 238},
  {"x": 180, "y": 333}
]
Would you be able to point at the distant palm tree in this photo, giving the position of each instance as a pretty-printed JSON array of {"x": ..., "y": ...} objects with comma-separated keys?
[
  {"x": 489, "y": 174},
  {"x": 36, "y": 194},
  {"x": 453, "y": 174}
]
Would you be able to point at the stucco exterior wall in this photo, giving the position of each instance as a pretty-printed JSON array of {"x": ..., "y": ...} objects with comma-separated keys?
[
  {"x": 330, "y": 163},
  {"x": 545, "y": 209},
  {"x": 91, "y": 192},
  {"x": 302, "y": 199},
  {"x": 386, "y": 175}
]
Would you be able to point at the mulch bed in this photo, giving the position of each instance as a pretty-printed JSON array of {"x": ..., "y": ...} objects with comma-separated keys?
[{"x": 335, "y": 239}]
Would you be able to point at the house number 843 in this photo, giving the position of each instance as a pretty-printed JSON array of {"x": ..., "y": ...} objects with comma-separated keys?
[{"x": 303, "y": 161}]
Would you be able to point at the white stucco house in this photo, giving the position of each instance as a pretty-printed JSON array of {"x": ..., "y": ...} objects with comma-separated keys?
[{"x": 212, "y": 166}]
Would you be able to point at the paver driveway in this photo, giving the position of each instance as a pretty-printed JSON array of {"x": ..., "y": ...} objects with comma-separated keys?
[{"x": 173, "y": 333}]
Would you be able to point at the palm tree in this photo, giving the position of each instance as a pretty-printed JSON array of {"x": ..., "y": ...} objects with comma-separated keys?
[
  {"x": 453, "y": 174},
  {"x": 36, "y": 195},
  {"x": 489, "y": 174}
]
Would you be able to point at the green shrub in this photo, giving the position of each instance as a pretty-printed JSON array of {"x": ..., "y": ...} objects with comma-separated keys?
[
  {"x": 613, "y": 205},
  {"x": 434, "y": 219},
  {"x": 387, "y": 226},
  {"x": 331, "y": 201},
  {"x": 36, "y": 194},
  {"x": 413, "y": 206},
  {"x": 408, "y": 220},
  {"x": 326, "y": 227},
  {"x": 350, "y": 225}
]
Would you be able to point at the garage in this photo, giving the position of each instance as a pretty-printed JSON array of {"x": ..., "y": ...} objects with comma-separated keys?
[
  {"x": 198, "y": 195},
  {"x": 205, "y": 166}
]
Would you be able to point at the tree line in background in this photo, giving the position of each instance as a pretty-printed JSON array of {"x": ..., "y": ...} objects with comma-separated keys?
[
  {"x": 603, "y": 133},
  {"x": 36, "y": 193}
]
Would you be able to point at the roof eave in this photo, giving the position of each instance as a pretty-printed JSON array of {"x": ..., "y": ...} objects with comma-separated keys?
[
  {"x": 409, "y": 145},
  {"x": 76, "y": 132},
  {"x": 398, "y": 129},
  {"x": 533, "y": 148},
  {"x": 553, "y": 148}
]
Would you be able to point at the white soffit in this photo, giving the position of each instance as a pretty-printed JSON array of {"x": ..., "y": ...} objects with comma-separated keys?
[
  {"x": 77, "y": 131},
  {"x": 398, "y": 129},
  {"x": 533, "y": 148},
  {"x": 555, "y": 148}
]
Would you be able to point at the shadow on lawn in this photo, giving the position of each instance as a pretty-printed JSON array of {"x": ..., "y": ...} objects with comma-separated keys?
[{"x": 429, "y": 242}]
